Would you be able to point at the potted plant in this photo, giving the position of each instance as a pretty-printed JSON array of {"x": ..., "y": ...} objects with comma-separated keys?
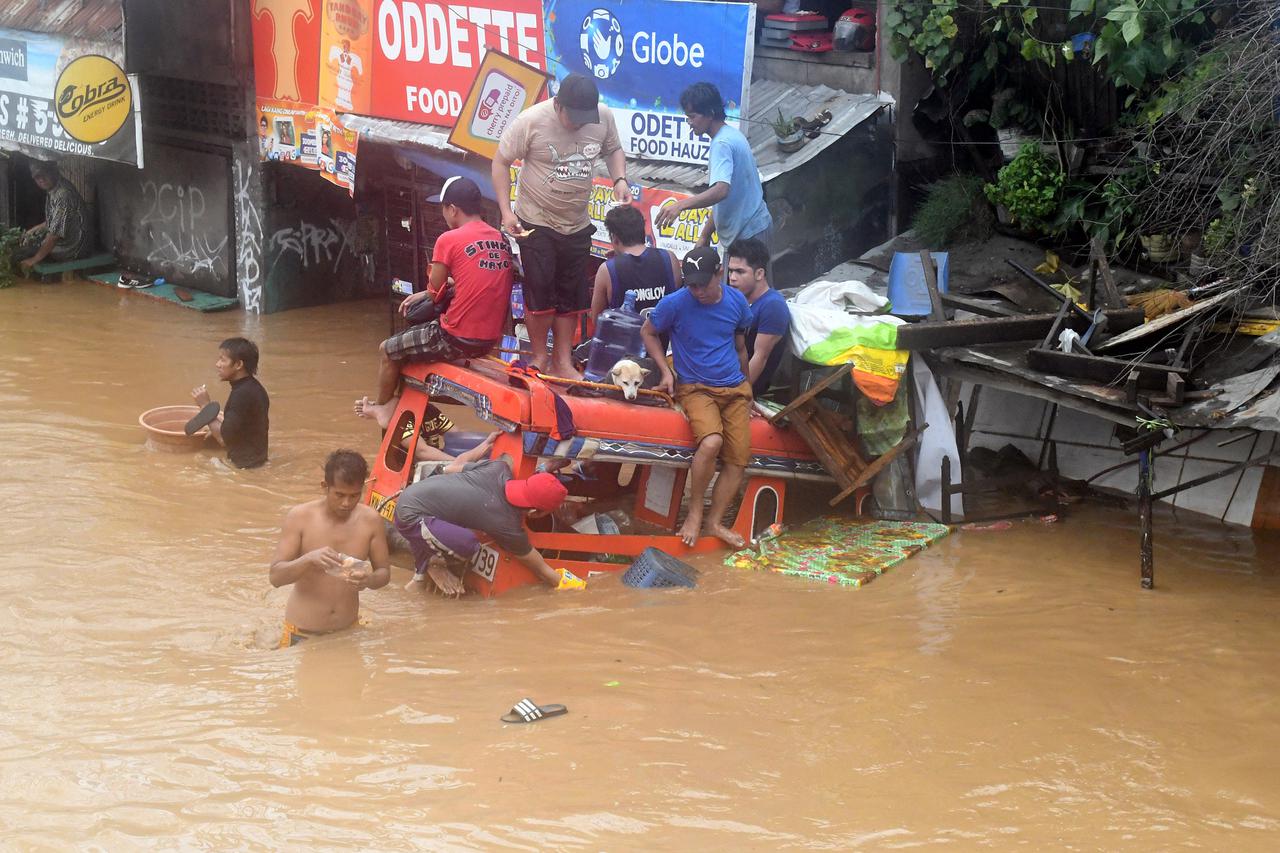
[
  {"x": 1027, "y": 190},
  {"x": 789, "y": 132},
  {"x": 9, "y": 240}
]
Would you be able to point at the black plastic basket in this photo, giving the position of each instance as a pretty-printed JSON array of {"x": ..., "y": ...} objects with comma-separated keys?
[{"x": 655, "y": 569}]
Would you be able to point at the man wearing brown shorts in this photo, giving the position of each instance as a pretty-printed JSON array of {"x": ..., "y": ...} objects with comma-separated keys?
[
  {"x": 708, "y": 324},
  {"x": 558, "y": 142}
]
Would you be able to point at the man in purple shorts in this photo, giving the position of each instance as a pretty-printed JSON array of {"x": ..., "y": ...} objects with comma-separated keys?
[{"x": 439, "y": 514}]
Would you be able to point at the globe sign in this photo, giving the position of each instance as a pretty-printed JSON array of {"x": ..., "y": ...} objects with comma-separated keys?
[{"x": 601, "y": 43}]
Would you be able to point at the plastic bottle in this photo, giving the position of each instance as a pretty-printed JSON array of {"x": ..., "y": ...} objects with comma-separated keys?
[{"x": 617, "y": 336}]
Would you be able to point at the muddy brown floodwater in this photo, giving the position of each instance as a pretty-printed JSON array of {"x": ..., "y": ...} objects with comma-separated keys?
[{"x": 1002, "y": 689}]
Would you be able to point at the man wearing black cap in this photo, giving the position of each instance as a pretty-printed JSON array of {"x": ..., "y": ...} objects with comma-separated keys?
[
  {"x": 559, "y": 142},
  {"x": 476, "y": 256},
  {"x": 708, "y": 324}
]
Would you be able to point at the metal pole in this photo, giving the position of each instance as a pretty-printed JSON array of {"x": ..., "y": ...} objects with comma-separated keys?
[{"x": 1144, "y": 518}]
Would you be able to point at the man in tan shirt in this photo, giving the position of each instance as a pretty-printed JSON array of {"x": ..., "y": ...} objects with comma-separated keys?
[{"x": 559, "y": 142}]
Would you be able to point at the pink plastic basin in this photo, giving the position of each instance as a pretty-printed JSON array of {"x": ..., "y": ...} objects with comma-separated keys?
[{"x": 164, "y": 428}]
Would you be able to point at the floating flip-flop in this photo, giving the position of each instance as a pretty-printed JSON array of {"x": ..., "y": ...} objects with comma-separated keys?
[
  {"x": 525, "y": 711},
  {"x": 203, "y": 418}
]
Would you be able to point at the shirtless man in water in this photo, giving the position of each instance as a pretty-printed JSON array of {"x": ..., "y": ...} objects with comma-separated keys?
[{"x": 330, "y": 549}]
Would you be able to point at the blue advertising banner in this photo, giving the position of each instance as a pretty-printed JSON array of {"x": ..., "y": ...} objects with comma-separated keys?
[{"x": 643, "y": 53}]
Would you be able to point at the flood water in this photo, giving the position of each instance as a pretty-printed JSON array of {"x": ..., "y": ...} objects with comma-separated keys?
[{"x": 1003, "y": 689}]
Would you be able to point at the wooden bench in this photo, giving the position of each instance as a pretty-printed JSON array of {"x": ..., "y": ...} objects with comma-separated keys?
[{"x": 54, "y": 270}]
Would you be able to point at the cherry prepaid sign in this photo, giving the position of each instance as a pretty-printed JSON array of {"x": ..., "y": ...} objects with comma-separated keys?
[{"x": 426, "y": 54}]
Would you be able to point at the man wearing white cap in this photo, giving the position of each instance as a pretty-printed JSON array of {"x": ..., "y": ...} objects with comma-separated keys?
[{"x": 476, "y": 256}]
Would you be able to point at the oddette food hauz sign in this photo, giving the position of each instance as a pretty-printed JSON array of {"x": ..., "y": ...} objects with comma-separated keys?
[
  {"x": 643, "y": 53},
  {"x": 67, "y": 97}
]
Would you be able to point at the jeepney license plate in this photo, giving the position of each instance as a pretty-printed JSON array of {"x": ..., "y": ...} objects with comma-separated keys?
[
  {"x": 485, "y": 562},
  {"x": 386, "y": 508}
]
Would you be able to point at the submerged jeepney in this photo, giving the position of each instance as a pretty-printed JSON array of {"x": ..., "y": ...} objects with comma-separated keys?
[{"x": 637, "y": 456}]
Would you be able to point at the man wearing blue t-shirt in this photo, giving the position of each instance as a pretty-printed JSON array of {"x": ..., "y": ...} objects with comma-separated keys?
[
  {"x": 734, "y": 193},
  {"x": 770, "y": 317},
  {"x": 708, "y": 325}
]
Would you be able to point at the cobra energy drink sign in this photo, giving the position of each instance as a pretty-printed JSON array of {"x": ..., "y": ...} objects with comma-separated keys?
[
  {"x": 64, "y": 96},
  {"x": 644, "y": 53}
]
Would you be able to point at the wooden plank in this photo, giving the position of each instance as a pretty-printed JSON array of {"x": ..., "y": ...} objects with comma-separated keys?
[
  {"x": 1111, "y": 297},
  {"x": 837, "y": 373},
  {"x": 980, "y": 306},
  {"x": 1028, "y": 327},
  {"x": 878, "y": 465},
  {"x": 1101, "y": 369},
  {"x": 1166, "y": 321},
  {"x": 931, "y": 283}
]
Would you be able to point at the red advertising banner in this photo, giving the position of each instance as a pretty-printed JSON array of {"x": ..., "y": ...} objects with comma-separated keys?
[
  {"x": 286, "y": 49},
  {"x": 426, "y": 54}
]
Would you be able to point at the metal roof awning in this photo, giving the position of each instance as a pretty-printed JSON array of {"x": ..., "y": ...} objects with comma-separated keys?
[
  {"x": 767, "y": 97},
  {"x": 92, "y": 20}
]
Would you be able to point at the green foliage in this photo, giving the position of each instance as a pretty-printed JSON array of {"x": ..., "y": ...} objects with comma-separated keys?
[
  {"x": 1137, "y": 42},
  {"x": 9, "y": 240},
  {"x": 1029, "y": 188},
  {"x": 954, "y": 211}
]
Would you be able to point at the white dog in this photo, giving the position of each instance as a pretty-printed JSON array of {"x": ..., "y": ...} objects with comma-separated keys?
[{"x": 628, "y": 376}]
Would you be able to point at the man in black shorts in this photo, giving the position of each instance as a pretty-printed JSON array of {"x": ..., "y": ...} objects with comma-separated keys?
[{"x": 559, "y": 142}]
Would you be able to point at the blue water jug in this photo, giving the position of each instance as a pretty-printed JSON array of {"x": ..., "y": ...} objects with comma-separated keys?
[{"x": 617, "y": 337}]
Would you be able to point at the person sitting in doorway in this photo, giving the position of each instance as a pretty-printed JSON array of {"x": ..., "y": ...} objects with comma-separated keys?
[
  {"x": 243, "y": 425},
  {"x": 431, "y": 434},
  {"x": 477, "y": 258},
  {"x": 330, "y": 548},
  {"x": 438, "y": 514},
  {"x": 651, "y": 272},
  {"x": 708, "y": 324},
  {"x": 63, "y": 235},
  {"x": 770, "y": 317}
]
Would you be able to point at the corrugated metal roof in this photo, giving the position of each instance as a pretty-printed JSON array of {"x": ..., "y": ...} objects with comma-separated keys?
[
  {"x": 401, "y": 132},
  {"x": 93, "y": 20},
  {"x": 767, "y": 96}
]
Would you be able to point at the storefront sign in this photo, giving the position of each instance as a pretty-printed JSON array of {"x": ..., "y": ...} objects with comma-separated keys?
[
  {"x": 426, "y": 54},
  {"x": 644, "y": 53},
  {"x": 503, "y": 88},
  {"x": 94, "y": 98},
  {"x": 308, "y": 136},
  {"x": 67, "y": 97}
]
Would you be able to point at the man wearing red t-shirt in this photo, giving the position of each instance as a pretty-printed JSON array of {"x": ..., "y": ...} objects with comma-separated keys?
[{"x": 478, "y": 260}]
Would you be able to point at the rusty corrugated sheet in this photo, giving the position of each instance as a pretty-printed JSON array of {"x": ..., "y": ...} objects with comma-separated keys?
[{"x": 92, "y": 20}]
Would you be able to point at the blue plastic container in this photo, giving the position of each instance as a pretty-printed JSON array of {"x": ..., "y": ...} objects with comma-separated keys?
[
  {"x": 617, "y": 337},
  {"x": 655, "y": 569},
  {"x": 908, "y": 294}
]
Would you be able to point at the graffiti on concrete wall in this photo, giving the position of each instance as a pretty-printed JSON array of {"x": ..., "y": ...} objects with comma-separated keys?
[
  {"x": 249, "y": 231},
  {"x": 314, "y": 245},
  {"x": 183, "y": 234}
]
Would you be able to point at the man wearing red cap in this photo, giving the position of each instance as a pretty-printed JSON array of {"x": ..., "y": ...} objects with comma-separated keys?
[{"x": 437, "y": 515}]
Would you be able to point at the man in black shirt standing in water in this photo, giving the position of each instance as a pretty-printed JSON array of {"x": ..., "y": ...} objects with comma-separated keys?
[{"x": 242, "y": 426}]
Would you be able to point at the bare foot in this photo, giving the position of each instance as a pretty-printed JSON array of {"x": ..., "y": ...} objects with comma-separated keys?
[
  {"x": 566, "y": 372},
  {"x": 480, "y": 451},
  {"x": 691, "y": 529},
  {"x": 449, "y": 584},
  {"x": 380, "y": 412},
  {"x": 727, "y": 536}
]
